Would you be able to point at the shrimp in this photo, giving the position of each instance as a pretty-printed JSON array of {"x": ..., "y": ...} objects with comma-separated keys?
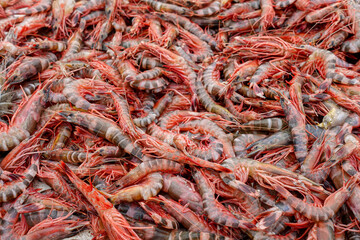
[
  {"x": 104, "y": 128},
  {"x": 331, "y": 206},
  {"x": 169, "y": 35},
  {"x": 183, "y": 215},
  {"x": 146, "y": 62},
  {"x": 157, "y": 110},
  {"x": 49, "y": 45},
  {"x": 214, "y": 210},
  {"x": 297, "y": 124},
  {"x": 208, "y": 127},
  {"x": 165, "y": 7},
  {"x": 30, "y": 24},
  {"x": 114, "y": 223},
  {"x": 72, "y": 93},
  {"x": 86, "y": 7},
  {"x": 29, "y": 67},
  {"x": 54, "y": 229},
  {"x": 268, "y": 124},
  {"x": 149, "y": 187},
  {"x": 74, "y": 157},
  {"x": 61, "y": 10},
  {"x": 41, "y": 6},
  {"x": 182, "y": 190},
  {"x": 338, "y": 176},
  {"x": 178, "y": 141},
  {"x": 209, "y": 104},
  {"x": 239, "y": 8},
  {"x": 353, "y": 45},
  {"x": 159, "y": 215},
  {"x": 24, "y": 121},
  {"x": 145, "y": 168},
  {"x": 213, "y": 8},
  {"x": 264, "y": 71},
  {"x": 134, "y": 211},
  {"x": 189, "y": 26},
  {"x": 230, "y": 179},
  {"x": 73, "y": 45},
  {"x": 335, "y": 117},
  {"x": 267, "y": 14},
  {"x": 64, "y": 133},
  {"x": 13, "y": 189},
  {"x": 240, "y": 143}
]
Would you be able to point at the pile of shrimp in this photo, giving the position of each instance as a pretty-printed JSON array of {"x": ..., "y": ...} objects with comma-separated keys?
[{"x": 180, "y": 119}]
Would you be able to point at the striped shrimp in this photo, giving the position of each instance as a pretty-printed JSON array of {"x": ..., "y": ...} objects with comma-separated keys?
[
  {"x": 50, "y": 45},
  {"x": 268, "y": 124},
  {"x": 176, "y": 140},
  {"x": 239, "y": 8},
  {"x": 134, "y": 211},
  {"x": 146, "y": 62},
  {"x": 246, "y": 25},
  {"x": 13, "y": 189},
  {"x": 212, "y": 152},
  {"x": 280, "y": 4},
  {"x": 88, "y": 6},
  {"x": 316, "y": 15},
  {"x": 209, "y": 104},
  {"x": 230, "y": 179},
  {"x": 264, "y": 71},
  {"x": 73, "y": 157},
  {"x": 150, "y": 84},
  {"x": 61, "y": 10},
  {"x": 189, "y": 26},
  {"x": 155, "y": 112},
  {"x": 338, "y": 176},
  {"x": 211, "y": 79},
  {"x": 41, "y": 6},
  {"x": 91, "y": 18},
  {"x": 149, "y": 232},
  {"x": 267, "y": 14},
  {"x": 24, "y": 121},
  {"x": 29, "y": 67},
  {"x": 213, "y": 8},
  {"x": 148, "y": 187},
  {"x": 331, "y": 206},
  {"x": 155, "y": 30},
  {"x": 328, "y": 59},
  {"x": 241, "y": 142},
  {"x": 187, "y": 218},
  {"x": 159, "y": 215},
  {"x": 297, "y": 124},
  {"x": 104, "y": 128},
  {"x": 110, "y": 151},
  {"x": 145, "y": 168},
  {"x": 166, "y": 7},
  {"x": 36, "y": 217},
  {"x": 55, "y": 229},
  {"x": 30, "y": 25},
  {"x": 200, "y": 50},
  {"x": 214, "y": 210},
  {"x": 126, "y": 69},
  {"x": 72, "y": 93},
  {"x": 114, "y": 223},
  {"x": 57, "y": 182},
  {"x": 353, "y": 45},
  {"x": 206, "y": 126},
  {"x": 183, "y": 191},
  {"x": 170, "y": 34},
  {"x": 63, "y": 134},
  {"x": 73, "y": 45}
]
